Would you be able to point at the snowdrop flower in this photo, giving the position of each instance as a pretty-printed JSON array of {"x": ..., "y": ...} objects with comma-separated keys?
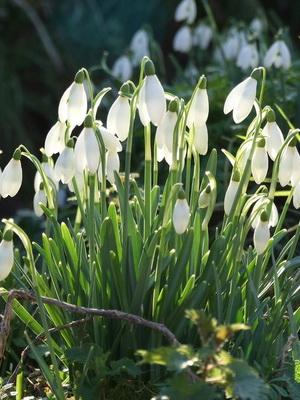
[
  {"x": 200, "y": 139},
  {"x": 181, "y": 214},
  {"x": 39, "y": 197},
  {"x": 49, "y": 172},
  {"x": 165, "y": 133},
  {"x": 256, "y": 26},
  {"x": 55, "y": 139},
  {"x": 247, "y": 57},
  {"x": 257, "y": 210},
  {"x": 73, "y": 104},
  {"x": 296, "y": 196},
  {"x": 202, "y": 36},
  {"x": 11, "y": 178},
  {"x": 205, "y": 197},
  {"x": 278, "y": 55},
  {"x": 183, "y": 40},
  {"x": 286, "y": 163},
  {"x": 243, "y": 154},
  {"x": 235, "y": 40},
  {"x": 79, "y": 178},
  {"x": 122, "y": 68},
  {"x": 241, "y": 98},
  {"x": 6, "y": 255},
  {"x": 261, "y": 234},
  {"x": 295, "y": 177},
  {"x": 112, "y": 165},
  {"x": 65, "y": 164},
  {"x": 231, "y": 192},
  {"x": 118, "y": 117},
  {"x": 152, "y": 101},
  {"x": 186, "y": 11},
  {"x": 139, "y": 46},
  {"x": 273, "y": 135},
  {"x": 260, "y": 162},
  {"x": 111, "y": 142},
  {"x": 199, "y": 106}
]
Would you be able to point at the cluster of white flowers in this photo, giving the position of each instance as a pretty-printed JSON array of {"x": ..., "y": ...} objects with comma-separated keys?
[{"x": 139, "y": 47}]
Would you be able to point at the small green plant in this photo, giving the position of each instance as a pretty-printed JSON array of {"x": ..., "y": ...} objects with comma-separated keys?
[{"x": 155, "y": 249}]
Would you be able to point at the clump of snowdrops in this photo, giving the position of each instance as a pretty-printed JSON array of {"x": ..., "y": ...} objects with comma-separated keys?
[{"x": 154, "y": 250}]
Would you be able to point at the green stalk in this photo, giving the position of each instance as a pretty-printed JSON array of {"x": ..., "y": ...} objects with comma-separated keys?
[
  {"x": 147, "y": 182},
  {"x": 19, "y": 385}
]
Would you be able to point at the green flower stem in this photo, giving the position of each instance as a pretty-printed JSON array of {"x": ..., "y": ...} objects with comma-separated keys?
[
  {"x": 147, "y": 182},
  {"x": 188, "y": 164}
]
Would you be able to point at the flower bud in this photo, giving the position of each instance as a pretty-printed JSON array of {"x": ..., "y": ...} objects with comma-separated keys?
[
  {"x": 6, "y": 255},
  {"x": 261, "y": 234},
  {"x": 181, "y": 214},
  {"x": 260, "y": 162},
  {"x": 11, "y": 178}
]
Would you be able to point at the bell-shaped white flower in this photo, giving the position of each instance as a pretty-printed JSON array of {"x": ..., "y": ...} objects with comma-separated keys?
[
  {"x": 295, "y": 177},
  {"x": 286, "y": 164},
  {"x": 122, "y": 68},
  {"x": 199, "y": 106},
  {"x": 248, "y": 57},
  {"x": 202, "y": 36},
  {"x": 139, "y": 46},
  {"x": 261, "y": 234},
  {"x": 55, "y": 139},
  {"x": 278, "y": 55},
  {"x": 256, "y": 26},
  {"x": 231, "y": 192},
  {"x": 49, "y": 172},
  {"x": 73, "y": 104},
  {"x": 296, "y": 196},
  {"x": 6, "y": 255},
  {"x": 261, "y": 206},
  {"x": 65, "y": 164},
  {"x": 112, "y": 165},
  {"x": 186, "y": 11},
  {"x": 273, "y": 135},
  {"x": 260, "y": 162},
  {"x": 111, "y": 142},
  {"x": 39, "y": 198},
  {"x": 11, "y": 178},
  {"x": 200, "y": 139},
  {"x": 165, "y": 133},
  {"x": 183, "y": 40},
  {"x": 241, "y": 99},
  {"x": 152, "y": 101},
  {"x": 181, "y": 214},
  {"x": 233, "y": 43},
  {"x": 205, "y": 197},
  {"x": 118, "y": 117}
]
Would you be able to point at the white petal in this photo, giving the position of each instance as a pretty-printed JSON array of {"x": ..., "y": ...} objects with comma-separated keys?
[
  {"x": 296, "y": 196},
  {"x": 79, "y": 152},
  {"x": 186, "y": 11},
  {"x": 77, "y": 104},
  {"x": 274, "y": 138},
  {"x": 63, "y": 105},
  {"x": 122, "y": 68},
  {"x": 230, "y": 196},
  {"x": 295, "y": 178},
  {"x": 11, "y": 178},
  {"x": 233, "y": 97},
  {"x": 139, "y": 46},
  {"x": 201, "y": 139},
  {"x": 112, "y": 165},
  {"x": 92, "y": 151},
  {"x": 111, "y": 142},
  {"x": 55, "y": 139},
  {"x": 155, "y": 99},
  {"x": 261, "y": 237},
  {"x": 183, "y": 40},
  {"x": 39, "y": 197},
  {"x": 199, "y": 109},
  {"x": 142, "y": 107},
  {"x": 244, "y": 104},
  {"x": 202, "y": 36},
  {"x": 65, "y": 165},
  {"x": 6, "y": 258},
  {"x": 181, "y": 216},
  {"x": 118, "y": 118},
  {"x": 286, "y": 166},
  {"x": 259, "y": 165}
]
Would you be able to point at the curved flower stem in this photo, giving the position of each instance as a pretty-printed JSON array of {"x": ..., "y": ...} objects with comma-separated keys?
[{"x": 147, "y": 182}]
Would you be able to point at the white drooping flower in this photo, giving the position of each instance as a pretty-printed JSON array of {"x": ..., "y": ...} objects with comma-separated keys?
[
  {"x": 261, "y": 234},
  {"x": 112, "y": 165},
  {"x": 202, "y": 36},
  {"x": 11, "y": 177},
  {"x": 73, "y": 104},
  {"x": 278, "y": 55},
  {"x": 273, "y": 135},
  {"x": 248, "y": 57},
  {"x": 111, "y": 142},
  {"x": 296, "y": 196},
  {"x": 39, "y": 197},
  {"x": 65, "y": 164},
  {"x": 199, "y": 107},
  {"x": 241, "y": 99},
  {"x": 165, "y": 133},
  {"x": 200, "y": 139},
  {"x": 118, "y": 117},
  {"x": 55, "y": 139},
  {"x": 6, "y": 255},
  {"x": 261, "y": 206},
  {"x": 122, "y": 68},
  {"x": 256, "y": 26},
  {"x": 49, "y": 172},
  {"x": 260, "y": 162},
  {"x": 186, "y": 11},
  {"x": 139, "y": 46},
  {"x": 152, "y": 101},
  {"x": 181, "y": 214},
  {"x": 231, "y": 192},
  {"x": 232, "y": 45},
  {"x": 286, "y": 164},
  {"x": 183, "y": 40}
]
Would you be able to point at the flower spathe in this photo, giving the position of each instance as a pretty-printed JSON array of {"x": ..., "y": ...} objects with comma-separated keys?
[
  {"x": 186, "y": 11},
  {"x": 278, "y": 55},
  {"x": 181, "y": 214},
  {"x": 183, "y": 40},
  {"x": 122, "y": 68},
  {"x": 152, "y": 101},
  {"x": 11, "y": 178},
  {"x": 118, "y": 118},
  {"x": 73, "y": 104},
  {"x": 55, "y": 139},
  {"x": 6, "y": 255},
  {"x": 241, "y": 99}
]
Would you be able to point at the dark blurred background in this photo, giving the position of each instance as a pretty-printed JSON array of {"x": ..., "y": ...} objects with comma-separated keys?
[{"x": 43, "y": 43}]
